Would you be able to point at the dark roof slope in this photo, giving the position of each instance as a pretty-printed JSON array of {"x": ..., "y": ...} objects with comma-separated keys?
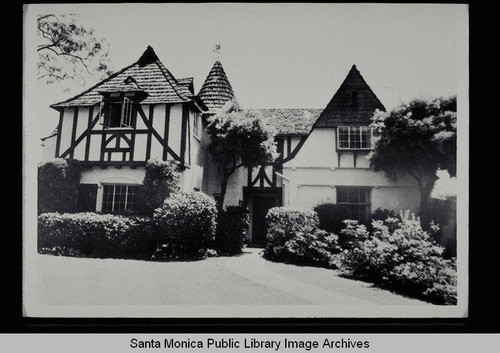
[
  {"x": 289, "y": 122},
  {"x": 216, "y": 89},
  {"x": 148, "y": 73},
  {"x": 345, "y": 109}
]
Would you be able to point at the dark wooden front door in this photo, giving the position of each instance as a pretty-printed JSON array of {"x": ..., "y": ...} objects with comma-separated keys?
[{"x": 261, "y": 204}]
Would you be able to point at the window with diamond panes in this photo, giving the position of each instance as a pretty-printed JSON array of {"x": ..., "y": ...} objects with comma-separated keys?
[{"x": 119, "y": 197}]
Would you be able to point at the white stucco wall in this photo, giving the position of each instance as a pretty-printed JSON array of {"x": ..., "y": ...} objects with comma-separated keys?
[
  {"x": 175, "y": 128},
  {"x": 66, "y": 129},
  {"x": 314, "y": 174},
  {"x": 49, "y": 148}
]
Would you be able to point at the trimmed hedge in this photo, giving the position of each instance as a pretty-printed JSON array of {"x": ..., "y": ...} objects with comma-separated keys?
[
  {"x": 183, "y": 228},
  {"x": 90, "y": 235},
  {"x": 398, "y": 254},
  {"x": 58, "y": 182},
  {"x": 293, "y": 236},
  {"x": 232, "y": 225},
  {"x": 186, "y": 225}
]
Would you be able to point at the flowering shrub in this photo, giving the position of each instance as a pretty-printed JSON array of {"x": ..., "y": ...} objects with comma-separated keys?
[
  {"x": 400, "y": 255},
  {"x": 232, "y": 225},
  {"x": 331, "y": 216},
  {"x": 58, "y": 182},
  {"x": 161, "y": 180},
  {"x": 293, "y": 236},
  {"x": 84, "y": 234},
  {"x": 185, "y": 225}
]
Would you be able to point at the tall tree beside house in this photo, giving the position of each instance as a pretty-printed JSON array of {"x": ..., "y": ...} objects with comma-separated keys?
[
  {"x": 417, "y": 139},
  {"x": 68, "y": 50},
  {"x": 238, "y": 139}
]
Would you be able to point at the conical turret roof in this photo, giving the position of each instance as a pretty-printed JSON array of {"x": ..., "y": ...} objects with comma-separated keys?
[
  {"x": 216, "y": 89},
  {"x": 354, "y": 103}
]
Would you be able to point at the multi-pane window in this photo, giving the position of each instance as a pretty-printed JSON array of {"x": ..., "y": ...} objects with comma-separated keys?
[
  {"x": 354, "y": 137},
  {"x": 119, "y": 198},
  {"x": 116, "y": 113},
  {"x": 356, "y": 201}
]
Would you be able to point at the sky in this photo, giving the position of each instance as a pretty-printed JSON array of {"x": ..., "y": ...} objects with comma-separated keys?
[{"x": 278, "y": 55}]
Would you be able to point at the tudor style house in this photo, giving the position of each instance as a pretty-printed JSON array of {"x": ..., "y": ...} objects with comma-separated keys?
[{"x": 144, "y": 112}]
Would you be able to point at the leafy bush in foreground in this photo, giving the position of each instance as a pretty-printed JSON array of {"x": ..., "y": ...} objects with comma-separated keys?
[
  {"x": 186, "y": 224},
  {"x": 400, "y": 255},
  {"x": 293, "y": 236},
  {"x": 85, "y": 234}
]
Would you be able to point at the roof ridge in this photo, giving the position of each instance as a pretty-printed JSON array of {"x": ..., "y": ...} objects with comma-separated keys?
[{"x": 163, "y": 68}]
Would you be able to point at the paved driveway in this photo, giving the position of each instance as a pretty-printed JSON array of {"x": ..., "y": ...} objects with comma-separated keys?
[{"x": 239, "y": 280}]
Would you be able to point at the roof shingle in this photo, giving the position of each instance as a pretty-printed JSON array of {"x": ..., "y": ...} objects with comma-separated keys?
[
  {"x": 353, "y": 103},
  {"x": 289, "y": 122},
  {"x": 148, "y": 73},
  {"x": 216, "y": 89}
]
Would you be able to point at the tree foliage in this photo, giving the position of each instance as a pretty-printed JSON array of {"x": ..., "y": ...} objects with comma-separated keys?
[
  {"x": 68, "y": 50},
  {"x": 417, "y": 139},
  {"x": 239, "y": 139},
  {"x": 160, "y": 181},
  {"x": 58, "y": 182}
]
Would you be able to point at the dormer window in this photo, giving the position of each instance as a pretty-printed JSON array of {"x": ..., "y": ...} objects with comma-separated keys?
[
  {"x": 116, "y": 104},
  {"x": 354, "y": 138},
  {"x": 116, "y": 112}
]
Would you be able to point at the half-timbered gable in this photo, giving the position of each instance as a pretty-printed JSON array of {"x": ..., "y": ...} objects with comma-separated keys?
[
  {"x": 139, "y": 113},
  {"x": 331, "y": 164},
  {"x": 142, "y": 112}
]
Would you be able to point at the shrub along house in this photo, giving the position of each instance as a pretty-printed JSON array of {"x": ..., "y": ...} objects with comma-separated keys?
[{"x": 144, "y": 112}]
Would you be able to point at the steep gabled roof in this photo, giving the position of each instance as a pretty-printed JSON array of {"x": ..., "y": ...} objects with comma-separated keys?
[
  {"x": 148, "y": 73},
  {"x": 345, "y": 109},
  {"x": 289, "y": 122},
  {"x": 216, "y": 89}
]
